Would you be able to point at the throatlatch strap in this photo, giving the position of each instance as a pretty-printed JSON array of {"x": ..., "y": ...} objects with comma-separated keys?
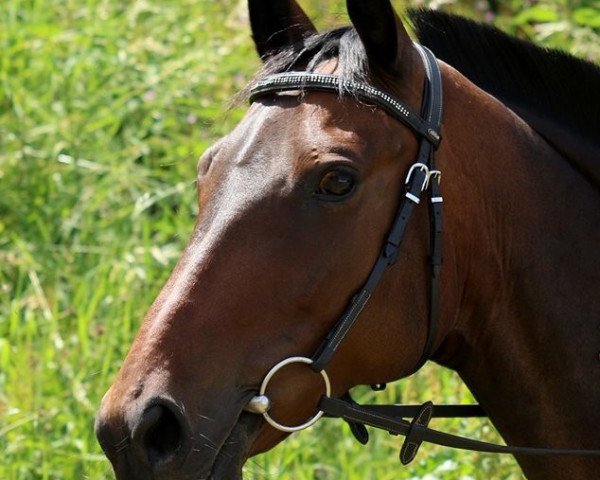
[{"x": 432, "y": 112}]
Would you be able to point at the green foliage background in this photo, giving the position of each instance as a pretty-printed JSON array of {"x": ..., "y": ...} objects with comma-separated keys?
[{"x": 105, "y": 106}]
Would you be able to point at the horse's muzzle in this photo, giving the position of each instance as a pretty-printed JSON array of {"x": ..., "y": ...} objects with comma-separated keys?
[{"x": 148, "y": 444}]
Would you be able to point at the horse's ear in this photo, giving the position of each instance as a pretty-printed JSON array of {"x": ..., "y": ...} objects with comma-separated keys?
[
  {"x": 381, "y": 31},
  {"x": 277, "y": 24}
]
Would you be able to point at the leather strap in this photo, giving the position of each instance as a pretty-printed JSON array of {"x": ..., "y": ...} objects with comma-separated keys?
[
  {"x": 361, "y": 433},
  {"x": 419, "y": 432},
  {"x": 281, "y": 82},
  {"x": 432, "y": 112}
]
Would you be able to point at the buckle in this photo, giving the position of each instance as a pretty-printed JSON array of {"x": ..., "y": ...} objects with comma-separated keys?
[
  {"x": 422, "y": 168},
  {"x": 436, "y": 174}
]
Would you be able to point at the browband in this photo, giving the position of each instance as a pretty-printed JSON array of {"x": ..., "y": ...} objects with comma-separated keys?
[{"x": 281, "y": 82}]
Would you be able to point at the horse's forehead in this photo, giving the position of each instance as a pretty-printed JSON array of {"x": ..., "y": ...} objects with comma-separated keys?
[
  {"x": 292, "y": 125},
  {"x": 278, "y": 145}
]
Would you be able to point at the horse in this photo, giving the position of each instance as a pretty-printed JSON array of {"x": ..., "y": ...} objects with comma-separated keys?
[{"x": 295, "y": 204}]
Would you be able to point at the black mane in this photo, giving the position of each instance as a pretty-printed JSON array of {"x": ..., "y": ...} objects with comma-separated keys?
[{"x": 546, "y": 83}]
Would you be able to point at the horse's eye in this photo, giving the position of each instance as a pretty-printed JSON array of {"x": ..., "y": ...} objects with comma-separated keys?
[{"x": 336, "y": 183}]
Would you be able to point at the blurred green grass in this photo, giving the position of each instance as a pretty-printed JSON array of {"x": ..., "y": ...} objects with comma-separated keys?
[{"x": 105, "y": 106}]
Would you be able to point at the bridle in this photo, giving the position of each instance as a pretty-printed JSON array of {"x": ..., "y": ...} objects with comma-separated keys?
[{"x": 422, "y": 178}]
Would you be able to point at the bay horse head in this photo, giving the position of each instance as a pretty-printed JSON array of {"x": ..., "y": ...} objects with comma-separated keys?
[{"x": 294, "y": 206}]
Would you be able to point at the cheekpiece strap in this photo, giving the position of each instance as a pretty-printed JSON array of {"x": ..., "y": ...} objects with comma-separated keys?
[{"x": 282, "y": 82}]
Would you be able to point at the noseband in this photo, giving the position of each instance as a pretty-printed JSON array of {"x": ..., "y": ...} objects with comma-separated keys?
[{"x": 422, "y": 176}]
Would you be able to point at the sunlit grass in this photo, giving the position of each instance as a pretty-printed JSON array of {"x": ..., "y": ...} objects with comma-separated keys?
[{"x": 105, "y": 106}]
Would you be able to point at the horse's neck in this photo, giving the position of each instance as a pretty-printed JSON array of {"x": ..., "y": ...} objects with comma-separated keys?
[
  {"x": 582, "y": 152},
  {"x": 523, "y": 229}
]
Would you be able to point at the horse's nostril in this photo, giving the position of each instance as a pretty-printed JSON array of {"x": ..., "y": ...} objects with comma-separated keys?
[{"x": 159, "y": 435}]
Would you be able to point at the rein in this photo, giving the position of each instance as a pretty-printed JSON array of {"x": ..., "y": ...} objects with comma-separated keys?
[{"x": 422, "y": 177}]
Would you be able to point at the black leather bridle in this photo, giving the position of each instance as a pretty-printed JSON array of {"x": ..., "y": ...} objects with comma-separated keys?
[{"x": 422, "y": 177}]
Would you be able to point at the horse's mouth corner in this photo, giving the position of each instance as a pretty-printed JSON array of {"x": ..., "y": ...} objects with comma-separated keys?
[{"x": 234, "y": 452}]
